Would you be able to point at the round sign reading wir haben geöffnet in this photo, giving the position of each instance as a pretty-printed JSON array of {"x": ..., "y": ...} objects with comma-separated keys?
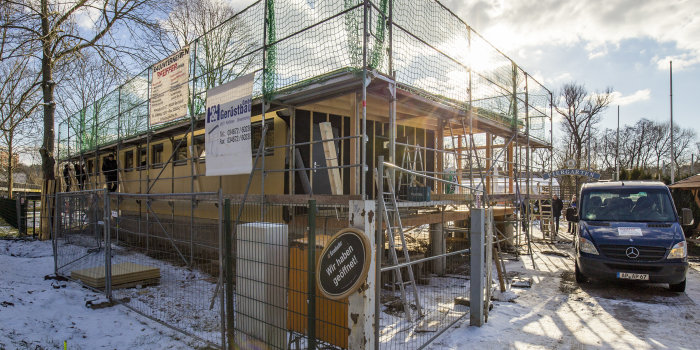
[{"x": 343, "y": 264}]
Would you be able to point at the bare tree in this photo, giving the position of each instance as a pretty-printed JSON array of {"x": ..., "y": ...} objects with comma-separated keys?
[
  {"x": 660, "y": 143},
  {"x": 77, "y": 92},
  {"x": 683, "y": 140},
  {"x": 581, "y": 112},
  {"x": 53, "y": 31},
  {"x": 225, "y": 43},
  {"x": 19, "y": 99},
  {"x": 606, "y": 146},
  {"x": 54, "y": 28}
]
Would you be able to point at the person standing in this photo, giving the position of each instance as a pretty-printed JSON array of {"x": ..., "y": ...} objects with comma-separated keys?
[
  {"x": 571, "y": 213},
  {"x": 66, "y": 176},
  {"x": 557, "y": 206},
  {"x": 80, "y": 175},
  {"x": 109, "y": 169}
]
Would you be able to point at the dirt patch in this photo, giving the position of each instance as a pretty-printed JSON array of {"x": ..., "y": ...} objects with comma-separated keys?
[
  {"x": 567, "y": 283},
  {"x": 556, "y": 252},
  {"x": 632, "y": 317}
]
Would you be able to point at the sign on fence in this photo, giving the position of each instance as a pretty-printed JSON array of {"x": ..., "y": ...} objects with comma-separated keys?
[
  {"x": 227, "y": 138},
  {"x": 169, "y": 89},
  {"x": 343, "y": 264}
]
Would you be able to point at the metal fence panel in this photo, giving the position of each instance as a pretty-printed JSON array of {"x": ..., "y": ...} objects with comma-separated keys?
[
  {"x": 274, "y": 277},
  {"x": 78, "y": 233},
  {"x": 160, "y": 233}
]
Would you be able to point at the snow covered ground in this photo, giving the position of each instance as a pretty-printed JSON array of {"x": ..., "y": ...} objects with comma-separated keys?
[
  {"x": 557, "y": 313},
  {"x": 38, "y": 313}
]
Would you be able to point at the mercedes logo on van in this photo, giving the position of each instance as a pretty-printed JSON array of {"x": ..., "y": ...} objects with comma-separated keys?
[{"x": 632, "y": 252}]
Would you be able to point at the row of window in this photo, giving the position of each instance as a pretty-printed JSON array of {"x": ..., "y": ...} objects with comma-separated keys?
[{"x": 160, "y": 158}]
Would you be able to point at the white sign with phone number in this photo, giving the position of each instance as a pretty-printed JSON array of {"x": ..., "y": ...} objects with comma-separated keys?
[{"x": 227, "y": 138}]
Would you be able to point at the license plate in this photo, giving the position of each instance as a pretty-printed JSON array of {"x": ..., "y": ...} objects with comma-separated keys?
[{"x": 633, "y": 276}]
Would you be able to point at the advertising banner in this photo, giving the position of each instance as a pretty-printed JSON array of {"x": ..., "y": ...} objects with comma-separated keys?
[
  {"x": 169, "y": 88},
  {"x": 227, "y": 138}
]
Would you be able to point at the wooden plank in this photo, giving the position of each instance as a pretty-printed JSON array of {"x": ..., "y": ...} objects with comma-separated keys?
[
  {"x": 331, "y": 157},
  {"x": 123, "y": 273}
]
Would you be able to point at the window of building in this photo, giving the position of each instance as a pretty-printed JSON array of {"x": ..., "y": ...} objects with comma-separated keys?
[
  {"x": 129, "y": 160},
  {"x": 157, "y": 155},
  {"x": 180, "y": 157},
  {"x": 143, "y": 158},
  {"x": 90, "y": 166},
  {"x": 256, "y": 134},
  {"x": 199, "y": 148}
]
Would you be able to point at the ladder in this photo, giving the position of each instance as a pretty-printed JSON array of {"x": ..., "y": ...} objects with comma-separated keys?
[
  {"x": 394, "y": 228},
  {"x": 411, "y": 163},
  {"x": 546, "y": 214}
]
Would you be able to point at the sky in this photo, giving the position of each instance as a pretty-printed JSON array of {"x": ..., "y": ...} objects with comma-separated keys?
[{"x": 622, "y": 44}]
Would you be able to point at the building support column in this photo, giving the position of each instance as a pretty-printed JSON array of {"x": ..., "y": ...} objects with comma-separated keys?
[
  {"x": 361, "y": 307},
  {"x": 489, "y": 161},
  {"x": 437, "y": 244},
  {"x": 511, "y": 175}
]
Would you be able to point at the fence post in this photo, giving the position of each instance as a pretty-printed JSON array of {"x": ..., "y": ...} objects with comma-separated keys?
[
  {"x": 18, "y": 210},
  {"x": 476, "y": 284},
  {"x": 488, "y": 253},
  {"x": 53, "y": 229},
  {"x": 229, "y": 272},
  {"x": 361, "y": 306},
  {"x": 311, "y": 280},
  {"x": 107, "y": 216},
  {"x": 380, "y": 248},
  {"x": 220, "y": 282}
]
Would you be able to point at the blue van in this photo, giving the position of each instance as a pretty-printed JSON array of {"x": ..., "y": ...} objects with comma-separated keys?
[{"x": 630, "y": 230}]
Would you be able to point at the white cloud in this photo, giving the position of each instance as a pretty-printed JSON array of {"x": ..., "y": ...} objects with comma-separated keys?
[
  {"x": 514, "y": 24},
  {"x": 87, "y": 17},
  {"x": 640, "y": 95},
  {"x": 596, "y": 51},
  {"x": 680, "y": 62},
  {"x": 560, "y": 79}
]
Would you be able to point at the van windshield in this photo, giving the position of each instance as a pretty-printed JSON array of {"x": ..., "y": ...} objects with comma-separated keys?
[{"x": 642, "y": 205}]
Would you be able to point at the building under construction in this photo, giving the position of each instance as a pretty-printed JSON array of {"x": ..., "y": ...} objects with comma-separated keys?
[{"x": 338, "y": 85}]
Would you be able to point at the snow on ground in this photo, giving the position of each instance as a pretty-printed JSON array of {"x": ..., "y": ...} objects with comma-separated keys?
[
  {"x": 557, "y": 313},
  {"x": 38, "y": 313}
]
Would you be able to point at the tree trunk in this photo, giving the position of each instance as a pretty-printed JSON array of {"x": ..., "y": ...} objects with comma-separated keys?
[{"x": 46, "y": 150}]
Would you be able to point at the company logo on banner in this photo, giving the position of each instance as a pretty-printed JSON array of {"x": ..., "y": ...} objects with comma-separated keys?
[
  {"x": 227, "y": 128},
  {"x": 169, "y": 88}
]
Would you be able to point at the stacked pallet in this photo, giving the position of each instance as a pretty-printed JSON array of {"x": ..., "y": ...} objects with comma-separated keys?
[{"x": 124, "y": 275}]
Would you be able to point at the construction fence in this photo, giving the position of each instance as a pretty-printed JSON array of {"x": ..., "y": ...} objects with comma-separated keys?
[
  {"x": 253, "y": 283},
  {"x": 22, "y": 212}
]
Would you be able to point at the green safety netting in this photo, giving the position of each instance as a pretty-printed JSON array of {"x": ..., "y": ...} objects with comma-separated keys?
[{"x": 429, "y": 50}]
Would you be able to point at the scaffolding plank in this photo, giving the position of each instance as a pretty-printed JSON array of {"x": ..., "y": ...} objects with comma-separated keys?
[
  {"x": 122, "y": 274},
  {"x": 331, "y": 157}
]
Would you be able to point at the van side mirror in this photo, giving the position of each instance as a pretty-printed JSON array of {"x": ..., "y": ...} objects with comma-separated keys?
[{"x": 687, "y": 217}]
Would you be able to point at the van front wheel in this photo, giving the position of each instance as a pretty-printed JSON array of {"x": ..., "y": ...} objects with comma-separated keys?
[{"x": 679, "y": 288}]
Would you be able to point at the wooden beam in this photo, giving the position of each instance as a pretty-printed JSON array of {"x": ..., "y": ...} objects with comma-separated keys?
[
  {"x": 510, "y": 168},
  {"x": 331, "y": 158}
]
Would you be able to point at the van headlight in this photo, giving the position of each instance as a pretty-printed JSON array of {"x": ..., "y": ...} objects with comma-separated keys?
[
  {"x": 586, "y": 246},
  {"x": 678, "y": 251}
]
